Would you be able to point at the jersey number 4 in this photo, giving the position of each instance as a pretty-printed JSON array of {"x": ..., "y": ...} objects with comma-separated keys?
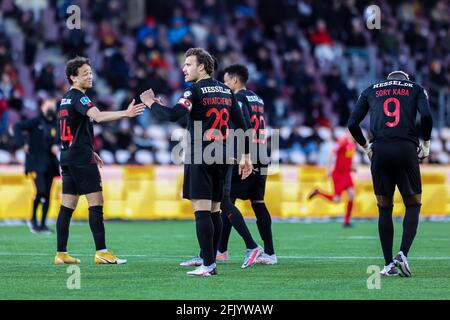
[
  {"x": 395, "y": 113},
  {"x": 66, "y": 133}
]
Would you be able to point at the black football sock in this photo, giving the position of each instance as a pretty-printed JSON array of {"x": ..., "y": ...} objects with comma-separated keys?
[
  {"x": 97, "y": 226},
  {"x": 36, "y": 202},
  {"x": 45, "y": 206},
  {"x": 226, "y": 231},
  {"x": 386, "y": 232},
  {"x": 217, "y": 223},
  {"x": 205, "y": 234},
  {"x": 410, "y": 223},
  {"x": 238, "y": 222},
  {"x": 62, "y": 228},
  {"x": 264, "y": 223}
]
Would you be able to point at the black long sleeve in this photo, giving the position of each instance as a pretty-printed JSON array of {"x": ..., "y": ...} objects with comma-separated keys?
[
  {"x": 426, "y": 120},
  {"x": 237, "y": 117},
  {"x": 169, "y": 114},
  {"x": 357, "y": 116},
  {"x": 19, "y": 128},
  {"x": 239, "y": 121}
]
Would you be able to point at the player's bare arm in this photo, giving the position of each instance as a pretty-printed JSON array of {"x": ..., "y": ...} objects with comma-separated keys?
[{"x": 132, "y": 111}]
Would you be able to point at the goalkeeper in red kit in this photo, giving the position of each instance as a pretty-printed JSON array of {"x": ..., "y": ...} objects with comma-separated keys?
[{"x": 341, "y": 174}]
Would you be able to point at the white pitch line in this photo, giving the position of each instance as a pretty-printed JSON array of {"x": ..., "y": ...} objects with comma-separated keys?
[{"x": 236, "y": 258}]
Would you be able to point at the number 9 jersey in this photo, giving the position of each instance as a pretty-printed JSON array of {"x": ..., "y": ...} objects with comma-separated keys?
[
  {"x": 393, "y": 106},
  {"x": 76, "y": 128}
]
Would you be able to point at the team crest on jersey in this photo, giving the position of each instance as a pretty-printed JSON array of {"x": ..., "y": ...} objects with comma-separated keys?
[
  {"x": 53, "y": 132},
  {"x": 185, "y": 103},
  {"x": 85, "y": 101},
  {"x": 187, "y": 94}
]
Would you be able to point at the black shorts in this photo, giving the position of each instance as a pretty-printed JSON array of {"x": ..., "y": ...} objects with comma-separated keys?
[
  {"x": 203, "y": 181},
  {"x": 395, "y": 164},
  {"x": 81, "y": 179},
  {"x": 251, "y": 188}
]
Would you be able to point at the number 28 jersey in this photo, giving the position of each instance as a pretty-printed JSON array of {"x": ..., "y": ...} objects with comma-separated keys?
[
  {"x": 76, "y": 128},
  {"x": 212, "y": 104},
  {"x": 393, "y": 106}
]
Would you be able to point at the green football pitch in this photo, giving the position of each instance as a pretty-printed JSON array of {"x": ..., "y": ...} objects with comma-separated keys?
[{"x": 316, "y": 261}]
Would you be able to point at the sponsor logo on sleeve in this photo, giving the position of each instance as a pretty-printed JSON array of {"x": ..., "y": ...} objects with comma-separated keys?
[
  {"x": 187, "y": 94},
  {"x": 85, "y": 101}
]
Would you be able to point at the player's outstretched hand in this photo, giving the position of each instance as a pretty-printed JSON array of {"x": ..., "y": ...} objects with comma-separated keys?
[
  {"x": 134, "y": 110},
  {"x": 148, "y": 97},
  {"x": 98, "y": 160}
]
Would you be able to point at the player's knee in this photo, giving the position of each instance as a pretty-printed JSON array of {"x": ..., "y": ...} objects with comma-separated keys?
[
  {"x": 215, "y": 206},
  {"x": 69, "y": 201},
  {"x": 94, "y": 199},
  {"x": 201, "y": 204},
  {"x": 413, "y": 200},
  {"x": 385, "y": 201}
]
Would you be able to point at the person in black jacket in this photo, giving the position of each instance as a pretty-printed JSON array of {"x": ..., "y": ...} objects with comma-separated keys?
[{"x": 39, "y": 137}]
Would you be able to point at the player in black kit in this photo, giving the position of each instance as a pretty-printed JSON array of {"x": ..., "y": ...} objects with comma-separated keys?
[
  {"x": 394, "y": 151},
  {"x": 253, "y": 188},
  {"x": 79, "y": 162},
  {"x": 210, "y": 105}
]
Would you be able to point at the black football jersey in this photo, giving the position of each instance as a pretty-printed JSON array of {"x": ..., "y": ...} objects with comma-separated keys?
[
  {"x": 76, "y": 128},
  {"x": 253, "y": 108},
  {"x": 393, "y": 107}
]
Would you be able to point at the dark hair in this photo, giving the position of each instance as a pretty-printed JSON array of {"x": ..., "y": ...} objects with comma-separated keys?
[
  {"x": 238, "y": 70},
  {"x": 73, "y": 65},
  {"x": 398, "y": 75},
  {"x": 203, "y": 57}
]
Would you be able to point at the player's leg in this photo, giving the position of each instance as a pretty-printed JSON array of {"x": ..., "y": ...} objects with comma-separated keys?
[
  {"x": 68, "y": 205},
  {"x": 39, "y": 183},
  {"x": 46, "y": 202},
  {"x": 318, "y": 192},
  {"x": 217, "y": 223},
  {"x": 410, "y": 222},
  {"x": 386, "y": 233},
  {"x": 384, "y": 186},
  {"x": 222, "y": 248},
  {"x": 239, "y": 189},
  {"x": 89, "y": 183},
  {"x": 334, "y": 197},
  {"x": 238, "y": 222},
  {"x": 205, "y": 236},
  {"x": 410, "y": 186},
  {"x": 264, "y": 224},
  {"x": 348, "y": 213},
  {"x": 69, "y": 200},
  {"x": 263, "y": 218}
]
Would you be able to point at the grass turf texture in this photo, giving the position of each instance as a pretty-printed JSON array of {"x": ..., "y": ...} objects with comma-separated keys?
[{"x": 316, "y": 261}]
